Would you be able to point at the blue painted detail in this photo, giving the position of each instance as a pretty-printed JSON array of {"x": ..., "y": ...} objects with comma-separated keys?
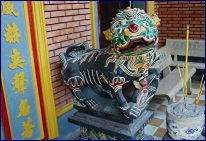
[
  {"x": 175, "y": 133},
  {"x": 67, "y": 130},
  {"x": 174, "y": 126},
  {"x": 191, "y": 131},
  {"x": 14, "y": 99}
]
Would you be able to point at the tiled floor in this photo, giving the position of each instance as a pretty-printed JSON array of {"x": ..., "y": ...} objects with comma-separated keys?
[{"x": 157, "y": 125}]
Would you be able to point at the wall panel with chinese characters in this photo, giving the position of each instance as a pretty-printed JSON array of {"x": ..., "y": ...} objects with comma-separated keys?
[{"x": 18, "y": 75}]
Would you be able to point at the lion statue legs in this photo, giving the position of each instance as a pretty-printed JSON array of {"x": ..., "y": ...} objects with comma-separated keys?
[
  {"x": 84, "y": 101},
  {"x": 114, "y": 84}
]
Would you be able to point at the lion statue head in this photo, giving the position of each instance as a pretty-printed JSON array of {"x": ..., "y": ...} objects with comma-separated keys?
[{"x": 133, "y": 29}]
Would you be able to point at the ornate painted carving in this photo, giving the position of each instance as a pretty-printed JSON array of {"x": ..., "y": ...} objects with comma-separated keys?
[
  {"x": 24, "y": 108},
  {"x": 16, "y": 75},
  {"x": 12, "y": 34},
  {"x": 19, "y": 82},
  {"x": 131, "y": 25},
  {"x": 133, "y": 36},
  {"x": 16, "y": 60},
  {"x": 8, "y": 9},
  {"x": 28, "y": 129}
]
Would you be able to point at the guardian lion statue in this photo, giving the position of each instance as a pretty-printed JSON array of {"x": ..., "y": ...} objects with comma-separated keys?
[{"x": 133, "y": 37}]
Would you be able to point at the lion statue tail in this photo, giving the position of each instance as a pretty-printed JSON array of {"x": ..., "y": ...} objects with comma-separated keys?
[
  {"x": 77, "y": 47},
  {"x": 73, "y": 51}
]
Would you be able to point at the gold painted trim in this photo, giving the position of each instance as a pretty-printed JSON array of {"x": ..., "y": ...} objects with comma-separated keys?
[
  {"x": 151, "y": 8},
  {"x": 60, "y": 111},
  {"x": 92, "y": 12},
  {"x": 45, "y": 73},
  {"x": 33, "y": 70}
]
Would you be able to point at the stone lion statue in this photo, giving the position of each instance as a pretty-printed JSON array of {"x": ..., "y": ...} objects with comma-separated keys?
[{"x": 133, "y": 37}]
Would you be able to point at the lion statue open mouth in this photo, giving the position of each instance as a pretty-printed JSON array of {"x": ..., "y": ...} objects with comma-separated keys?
[{"x": 133, "y": 37}]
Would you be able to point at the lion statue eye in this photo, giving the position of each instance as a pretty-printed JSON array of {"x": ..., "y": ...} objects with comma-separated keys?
[
  {"x": 146, "y": 24},
  {"x": 119, "y": 30}
]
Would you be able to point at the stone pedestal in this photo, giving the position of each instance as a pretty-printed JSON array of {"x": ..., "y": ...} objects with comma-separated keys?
[
  {"x": 106, "y": 121},
  {"x": 133, "y": 130}
]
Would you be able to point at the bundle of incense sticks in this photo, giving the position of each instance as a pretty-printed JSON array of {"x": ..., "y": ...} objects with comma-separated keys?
[
  {"x": 185, "y": 69},
  {"x": 183, "y": 89}
]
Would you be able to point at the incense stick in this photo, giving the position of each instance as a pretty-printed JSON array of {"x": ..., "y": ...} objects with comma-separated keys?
[
  {"x": 197, "y": 99},
  {"x": 201, "y": 82},
  {"x": 186, "y": 61},
  {"x": 178, "y": 67}
]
